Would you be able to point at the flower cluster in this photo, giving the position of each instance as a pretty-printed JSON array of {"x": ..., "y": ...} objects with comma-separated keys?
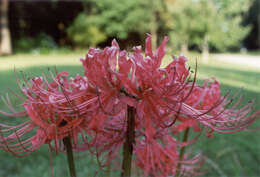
[{"x": 94, "y": 110}]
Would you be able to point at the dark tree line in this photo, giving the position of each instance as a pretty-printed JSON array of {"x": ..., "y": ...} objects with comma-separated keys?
[{"x": 27, "y": 18}]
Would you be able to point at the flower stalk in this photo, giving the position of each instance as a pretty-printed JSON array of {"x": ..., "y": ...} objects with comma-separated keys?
[
  {"x": 68, "y": 146},
  {"x": 182, "y": 151},
  {"x": 128, "y": 144},
  {"x": 108, "y": 171}
]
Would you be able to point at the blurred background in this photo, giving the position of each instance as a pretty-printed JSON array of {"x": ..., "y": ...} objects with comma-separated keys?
[
  {"x": 223, "y": 35},
  {"x": 196, "y": 25}
]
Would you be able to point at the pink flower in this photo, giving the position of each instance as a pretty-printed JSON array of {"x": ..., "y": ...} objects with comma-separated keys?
[
  {"x": 163, "y": 102},
  {"x": 162, "y": 97},
  {"x": 56, "y": 110},
  {"x": 156, "y": 93},
  {"x": 212, "y": 110}
]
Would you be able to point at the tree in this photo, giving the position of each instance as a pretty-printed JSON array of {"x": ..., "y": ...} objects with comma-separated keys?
[
  {"x": 84, "y": 31},
  {"x": 111, "y": 19},
  {"x": 5, "y": 37},
  {"x": 229, "y": 19},
  {"x": 206, "y": 24},
  {"x": 184, "y": 20}
]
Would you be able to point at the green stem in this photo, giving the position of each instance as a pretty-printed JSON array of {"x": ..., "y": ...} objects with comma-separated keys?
[
  {"x": 185, "y": 138},
  {"x": 128, "y": 145},
  {"x": 68, "y": 146}
]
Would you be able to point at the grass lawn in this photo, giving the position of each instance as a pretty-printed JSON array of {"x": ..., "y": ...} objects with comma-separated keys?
[{"x": 227, "y": 155}]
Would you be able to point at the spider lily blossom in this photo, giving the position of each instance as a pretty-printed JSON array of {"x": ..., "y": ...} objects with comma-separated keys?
[
  {"x": 164, "y": 99},
  {"x": 125, "y": 100},
  {"x": 215, "y": 112},
  {"x": 55, "y": 112}
]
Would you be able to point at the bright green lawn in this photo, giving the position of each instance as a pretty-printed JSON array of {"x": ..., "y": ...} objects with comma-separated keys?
[{"x": 234, "y": 155}]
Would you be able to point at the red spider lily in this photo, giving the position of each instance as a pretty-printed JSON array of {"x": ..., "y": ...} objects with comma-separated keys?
[
  {"x": 159, "y": 157},
  {"x": 56, "y": 110},
  {"x": 137, "y": 81},
  {"x": 125, "y": 99},
  {"x": 161, "y": 96},
  {"x": 156, "y": 93},
  {"x": 205, "y": 105},
  {"x": 209, "y": 108}
]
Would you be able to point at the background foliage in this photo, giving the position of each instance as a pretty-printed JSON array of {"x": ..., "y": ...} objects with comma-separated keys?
[{"x": 202, "y": 25}]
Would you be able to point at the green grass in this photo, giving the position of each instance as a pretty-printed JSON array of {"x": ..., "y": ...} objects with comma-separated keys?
[
  {"x": 22, "y": 61},
  {"x": 235, "y": 154}
]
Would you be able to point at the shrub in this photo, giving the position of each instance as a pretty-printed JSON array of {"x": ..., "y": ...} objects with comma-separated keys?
[
  {"x": 42, "y": 44},
  {"x": 83, "y": 33}
]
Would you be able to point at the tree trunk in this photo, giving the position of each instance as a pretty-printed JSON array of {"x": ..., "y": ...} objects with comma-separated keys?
[
  {"x": 184, "y": 48},
  {"x": 154, "y": 30},
  {"x": 5, "y": 37},
  {"x": 153, "y": 24},
  {"x": 205, "y": 49}
]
